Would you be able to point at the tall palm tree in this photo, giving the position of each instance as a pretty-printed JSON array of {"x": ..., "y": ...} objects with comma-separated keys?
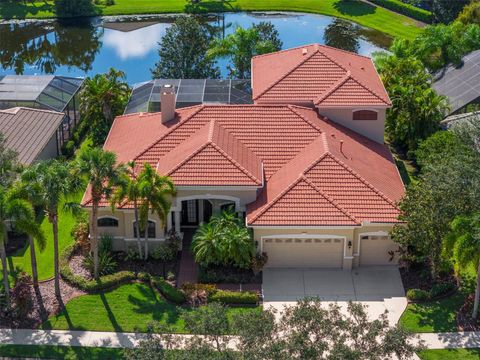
[
  {"x": 51, "y": 181},
  {"x": 100, "y": 169},
  {"x": 20, "y": 213},
  {"x": 462, "y": 244},
  {"x": 155, "y": 197},
  {"x": 128, "y": 190}
]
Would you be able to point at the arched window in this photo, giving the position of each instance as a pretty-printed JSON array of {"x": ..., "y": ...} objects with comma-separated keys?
[
  {"x": 151, "y": 230},
  {"x": 365, "y": 115},
  {"x": 107, "y": 222}
]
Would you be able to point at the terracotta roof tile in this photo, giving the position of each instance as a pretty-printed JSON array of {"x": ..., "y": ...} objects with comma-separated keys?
[{"x": 307, "y": 73}]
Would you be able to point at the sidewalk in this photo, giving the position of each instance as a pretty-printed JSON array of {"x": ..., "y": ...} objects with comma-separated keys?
[{"x": 129, "y": 340}]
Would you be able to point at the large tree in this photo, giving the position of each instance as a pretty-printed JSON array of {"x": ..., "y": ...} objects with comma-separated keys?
[
  {"x": 243, "y": 44},
  {"x": 53, "y": 182},
  {"x": 155, "y": 193},
  {"x": 102, "y": 173},
  {"x": 183, "y": 52},
  {"x": 342, "y": 34},
  {"x": 73, "y": 8},
  {"x": 102, "y": 98},
  {"x": 445, "y": 11}
]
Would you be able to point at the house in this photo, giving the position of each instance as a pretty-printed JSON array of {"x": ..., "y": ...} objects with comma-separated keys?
[
  {"x": 35, "y": 134},
  {"x": 305, "y": 165}
]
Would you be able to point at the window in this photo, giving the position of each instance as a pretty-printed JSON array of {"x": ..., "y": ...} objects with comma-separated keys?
[
  {"x": 151, "y": 230},
  {"x": 365, "y": 115},
  {"x": 107, "y": 222}
]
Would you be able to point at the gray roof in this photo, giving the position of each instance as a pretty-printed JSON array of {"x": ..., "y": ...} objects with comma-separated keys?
[
  {"x": 28, "y": 131},
  {"x": 460, "y": 85},
  {"x": 146, "y": 96},
  {"x": 454, "y": 120}
]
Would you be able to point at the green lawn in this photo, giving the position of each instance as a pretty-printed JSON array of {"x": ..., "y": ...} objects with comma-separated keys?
[
  {"x": 450, "y": 354},
  {"x": 21, "y": 260},
  {"x": 128, "y": 308},
  {"x": 60, "y": 352},
  {"x": 364, "y": 14}
]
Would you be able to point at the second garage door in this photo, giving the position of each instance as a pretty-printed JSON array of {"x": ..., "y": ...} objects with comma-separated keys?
[
  {"x": 311, "y": 252},
  {"x": 377, "y": 250}
]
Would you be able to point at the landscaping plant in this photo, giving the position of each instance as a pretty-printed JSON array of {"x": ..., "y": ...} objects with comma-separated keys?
[{"x": 22, "y": 295}]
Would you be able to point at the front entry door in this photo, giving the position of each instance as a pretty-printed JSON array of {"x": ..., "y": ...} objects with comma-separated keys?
[{"x": 190, "y": 213}]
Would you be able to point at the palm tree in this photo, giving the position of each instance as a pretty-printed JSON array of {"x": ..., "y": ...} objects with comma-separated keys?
[
  {"x": 51, "y": 181},
  {"x": 100, "y": 169},
  {"x": 128, "y": 191},
  {"x": 20, "y": 213},
  {"x": 155, "y": 196},
  {"x": 207, "y": 245},
  {"x": 462, "y": 244}
]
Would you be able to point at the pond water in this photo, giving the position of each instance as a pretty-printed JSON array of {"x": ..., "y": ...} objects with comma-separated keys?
[{"x": 130, "y": 43}]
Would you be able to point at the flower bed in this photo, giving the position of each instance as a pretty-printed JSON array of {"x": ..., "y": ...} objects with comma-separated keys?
[{"x": 232, "y": 275}]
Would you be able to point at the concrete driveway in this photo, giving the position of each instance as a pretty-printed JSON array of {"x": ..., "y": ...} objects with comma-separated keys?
[{"x": 379, "y": 287}]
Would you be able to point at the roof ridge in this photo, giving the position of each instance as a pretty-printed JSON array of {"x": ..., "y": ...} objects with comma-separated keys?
[
  {"x": 236, "y": 163},
  {"x": 283, "y": 50},
  {"x": 200, "y": 108},
  {"x": 362, "y": 179},
  {"x": 334, "y": 87},
  {"x": 331, "y": 200},
  {"x": 188, "y": 158},
  {"x": 16, "y": 109},
  {"x": 291, "y": 107},
  {"x": 268, "y": 88}
]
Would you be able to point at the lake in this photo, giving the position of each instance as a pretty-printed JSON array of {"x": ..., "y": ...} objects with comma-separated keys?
[{"x": 130, "y": 44}]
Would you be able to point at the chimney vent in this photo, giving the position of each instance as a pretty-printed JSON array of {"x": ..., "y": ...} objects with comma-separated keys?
[
  {"x": 304, "y": 51},
  {"x": 167, "y": 101}
]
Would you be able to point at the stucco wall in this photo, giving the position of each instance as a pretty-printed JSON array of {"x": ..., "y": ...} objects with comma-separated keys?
[
  {"x": 373, "y": 129},
  {"x": 50, "y": 150}
]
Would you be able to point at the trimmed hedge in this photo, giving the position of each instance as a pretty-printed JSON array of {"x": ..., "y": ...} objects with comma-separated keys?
[
  {"x": 168, "y": 291},
  {"x": 105, "y": 282},
  {"x": 436, "y": 291},
  {"x": 234, "y": 297},
  {"x": 406, "y": 9},
  {"x": 417, "y": 295}
]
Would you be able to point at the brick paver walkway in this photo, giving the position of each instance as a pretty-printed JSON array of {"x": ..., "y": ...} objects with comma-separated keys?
[{"x": 188, "y": 268}]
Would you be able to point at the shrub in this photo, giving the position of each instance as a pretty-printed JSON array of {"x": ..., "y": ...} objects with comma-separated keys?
[
  {"x": 164, "y": 253},
  {"x": 109, "y": 2},
  {"x": 168, "y": 291},
  {"x": 406, "y": 9},
  {"x": 258, "y": 262},
  {"x": 198, "y": 294},
  {"x": 132, "y": 254},
  {"x": 234, "y": 297},
  {"x": 105, "y": 282},
  {"x": 106, "y": 263},
  {"x": 417, "y": 295},
  {"x": 80, "y": 232},
  {"x": 170, "y": 276},
  {"x": 22, "y": 295},
  {"x": 225, "y": 275},
  {"x": 441, "y": 289},
  {"x": 106, "y": 243}
]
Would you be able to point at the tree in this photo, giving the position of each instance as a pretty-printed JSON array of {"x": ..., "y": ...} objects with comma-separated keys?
[
  {"x": 462, "y": 244},
  {"x": 100, "y": 169},
  {"x": 342, "y": 34},
  {"x": 243, "y": 44},
  {"x": 445, "y": 11},
  {"x": 51, "y": 182},
  {"x": 128, "y": 190},
  {"x": 155, "y": 197},
  {"x": 73, "y": 8},
  {"x": 436, "y": 147},
  {"x": 183, "y": 51},
  {"x": 102, "y": 98},
  {"x": 416, "y": 108},
  {"x": 223, "y": 241},
  {"x": 470, "y": 14},
  {"x": 9, "y": 166}
]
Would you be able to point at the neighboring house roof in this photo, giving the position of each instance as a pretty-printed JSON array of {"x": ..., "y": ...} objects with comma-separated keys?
[
  {"x": 28, "y": 131},
  {"x": 316, "y": 172},
  {"x": 317, "y": 74},
  {"x": 454, "y": 120},
  {"x": 461, "y": 85}
]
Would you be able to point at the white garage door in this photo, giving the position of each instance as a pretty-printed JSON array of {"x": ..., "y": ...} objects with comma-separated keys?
[
  {"x": 294, "y": 252},
  {"x": 374, "y": 250}
]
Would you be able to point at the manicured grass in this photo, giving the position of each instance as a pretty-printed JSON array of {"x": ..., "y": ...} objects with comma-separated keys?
[
  {"x": 364, "y": 14},
  {"x": 128, "y": 308},
  {"x": 60, "y": 352},
  {"x": 450, "y": 354}
]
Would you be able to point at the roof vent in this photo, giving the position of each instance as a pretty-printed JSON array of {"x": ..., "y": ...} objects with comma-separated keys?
[{"x": 304, "y": 51}]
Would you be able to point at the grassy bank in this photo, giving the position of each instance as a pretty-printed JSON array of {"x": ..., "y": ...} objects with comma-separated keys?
[
  {"x": 59, "y": 352},
  {"x": 128, "y": 308},
  {"x": 364, "y": 14},
  {"x": 450, "y": 354}
]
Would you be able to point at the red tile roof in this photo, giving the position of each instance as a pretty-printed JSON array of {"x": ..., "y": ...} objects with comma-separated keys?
[
  {"x": 317, "y": 74},
  {"x": 316, "y": 171}
]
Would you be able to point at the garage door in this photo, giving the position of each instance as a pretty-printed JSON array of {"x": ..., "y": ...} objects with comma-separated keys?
[
  {"x": 374, "y": 250},
  {"x": 327, "y": 253}
]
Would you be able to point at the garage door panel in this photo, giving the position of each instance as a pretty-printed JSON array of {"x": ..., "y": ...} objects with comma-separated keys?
[
  {"x": 374, "y": 250},
  {"x": 321, "y": 253}
]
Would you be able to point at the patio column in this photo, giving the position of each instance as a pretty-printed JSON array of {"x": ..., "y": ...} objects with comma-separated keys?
[
  {"x": 177, "y": 221},
  {"x": 200, "y": 211},
  {"x": 169, "y": 221}
]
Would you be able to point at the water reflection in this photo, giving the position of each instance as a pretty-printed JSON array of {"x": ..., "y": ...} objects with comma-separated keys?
[
  {"x": 131, "y": 45},
  {"x": 47, "y": 46}
]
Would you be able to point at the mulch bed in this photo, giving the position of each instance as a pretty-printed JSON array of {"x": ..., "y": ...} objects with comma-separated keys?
[
  {"x": 151, "y": 266},
  {"x": 76, "y": 265},
  {"x": 464, "y": 316},
  {"x": 45, "y": 304},
  {"x": 417, "y": 278}
]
